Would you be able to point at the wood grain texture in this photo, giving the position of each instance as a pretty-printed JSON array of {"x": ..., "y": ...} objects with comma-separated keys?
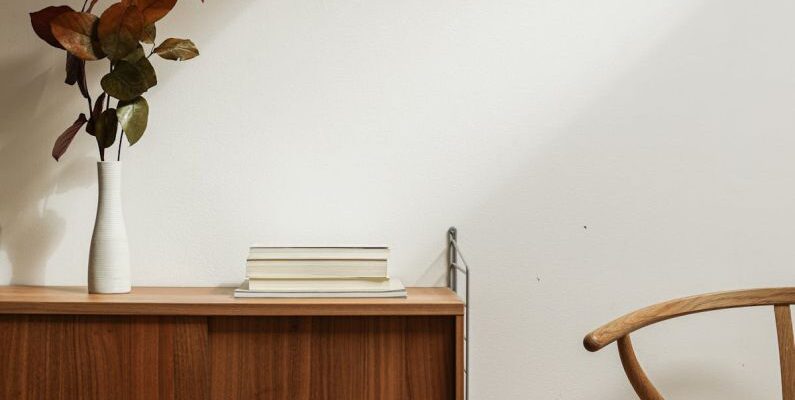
[
  {"x": 101, "y": 357},
  {"x": 786, "y": 350},
  {"x": 637, "y": 377},
  {"x": 287, "y": 349},
  {"x": 633, "y": 321},
  {"x": 216, "y": 301},
  {"x": 303, "y": 358}
]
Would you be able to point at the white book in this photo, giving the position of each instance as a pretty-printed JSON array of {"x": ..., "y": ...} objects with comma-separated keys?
[
  {"x": 318, "y": 253},
  {"x": 325, "y": 285},
  {"x": 316, "y": 269},
  {"x": 245, "y": 293},
  {"x": 314, "y": 272}
]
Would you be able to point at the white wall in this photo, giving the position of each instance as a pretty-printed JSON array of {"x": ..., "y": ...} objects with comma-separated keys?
[{"x": 667, "y": 128}]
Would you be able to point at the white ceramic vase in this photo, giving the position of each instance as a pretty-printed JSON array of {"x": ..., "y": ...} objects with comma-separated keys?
[{"x": 109, "y": 258}]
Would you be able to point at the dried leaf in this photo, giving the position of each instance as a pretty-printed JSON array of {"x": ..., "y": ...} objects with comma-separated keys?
[
  {"x": 177, "y": 49},
  {"x": 149, "y": 34},
  {"x": 65, "y": 139},
  {"x": 148, "y": 72},
  {"x": 76, "y": 73},
  {"x": 133, "y": 116},
  {"x": 74, "y": 31},
  {"x": 120, "y": 28},
  {"x": 41, "y": 21},
  {"x": 125, "y": 82},
  {"x": 105, "y": 128},
  {"x": 135, "y": 55},
  {"x": 153, "y": 10},
  {"x": 95, "y": 113},
  {"x": 138, "y": 58}
]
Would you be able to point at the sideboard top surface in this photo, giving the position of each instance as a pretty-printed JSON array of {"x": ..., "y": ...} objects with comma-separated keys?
[{"x": 217, "y": 301}]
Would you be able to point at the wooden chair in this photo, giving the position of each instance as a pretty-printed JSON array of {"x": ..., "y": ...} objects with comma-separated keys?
[{"x": 619, "y": 330}]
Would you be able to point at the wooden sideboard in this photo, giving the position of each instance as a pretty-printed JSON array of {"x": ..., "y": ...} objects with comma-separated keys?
[{"x": 201, "y": 343}]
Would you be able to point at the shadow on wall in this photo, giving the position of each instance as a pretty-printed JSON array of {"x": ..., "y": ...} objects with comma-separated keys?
[
  {"x": 435, "y": 274},
  {"x": 688, "y": 381},
  {"x": 681, "y": 165},
  {"x": 28, "y": 176},
  {"x": 35, "y": 107}
]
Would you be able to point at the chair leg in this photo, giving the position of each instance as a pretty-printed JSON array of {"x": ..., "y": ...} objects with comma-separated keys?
[{"x": 640, "y": 382}]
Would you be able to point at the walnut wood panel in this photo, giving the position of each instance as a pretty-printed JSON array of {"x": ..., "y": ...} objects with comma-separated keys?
[
  {"x": 216, "y": 301},
  {"x": 786, "y": 350},
  {"x": 57, "y": 346},
  {"x": 101, "y": 357},
  {"x": 633, "y": 321},
  {"x": 357, "y": 358}
]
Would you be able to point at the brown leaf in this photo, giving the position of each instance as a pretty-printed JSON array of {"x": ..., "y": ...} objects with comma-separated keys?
[
  {"x": 95, "y": 112},
  {"x": 153, "y": 10},
  {"x": 120, "y": 28},
  {"x": 149, "y": 34},
  {"x": 177, "y": 49},
  {"x": 76, "y": 73},
  {"x": 74, "y": 32},
  {"x": 65, "y": 139},
  {"x": 41, "y": 21}
]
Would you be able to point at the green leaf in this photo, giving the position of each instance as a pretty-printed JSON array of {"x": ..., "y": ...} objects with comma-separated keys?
[
  {"x": 135, "y": 55},
  {"x": 148, "y": 72},
  {"x": 74, "y": 31},
  {"x": 105, "y": 128},
  {"x": 42, "y": 20},
  {"x": 177, "y": 49},
  {"x": 125, "y": 82},
  {"x": 149, "y": 34},
  {"x": 138, "y": 58},
  {"x": 119, "y": 30},
  {"x": 133, "y": 116},
  {"x": 65, "y": 139}
]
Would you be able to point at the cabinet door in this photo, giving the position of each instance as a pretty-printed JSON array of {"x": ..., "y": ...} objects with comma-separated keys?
[
  {"x": 303, "y": 358},
  {"x": 102, "y": 357}
]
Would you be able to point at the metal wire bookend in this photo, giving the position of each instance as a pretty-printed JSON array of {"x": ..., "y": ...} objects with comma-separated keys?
[{"x": 454, "y": 255}]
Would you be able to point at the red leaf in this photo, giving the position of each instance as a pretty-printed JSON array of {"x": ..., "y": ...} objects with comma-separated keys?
[
  {"x": 41, "y": 23},
  {"x": 63, "y": 141},
  {"x": 153, "y": 10},
  {"x": 98, "y": 104},
  {"x": 76, "y": 73}
]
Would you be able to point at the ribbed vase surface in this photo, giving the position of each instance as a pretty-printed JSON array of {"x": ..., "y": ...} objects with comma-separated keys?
[{"x": 109, "y": 258}]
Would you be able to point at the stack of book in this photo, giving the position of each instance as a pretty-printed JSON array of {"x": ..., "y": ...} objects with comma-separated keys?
[{"x": 319, "y": 272}]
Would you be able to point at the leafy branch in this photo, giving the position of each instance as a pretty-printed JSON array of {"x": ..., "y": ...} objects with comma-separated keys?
[{"x": 116, "y": 35}]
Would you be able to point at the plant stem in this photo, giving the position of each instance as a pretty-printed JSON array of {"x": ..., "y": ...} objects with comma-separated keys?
[{"x": 121, "y": 137}]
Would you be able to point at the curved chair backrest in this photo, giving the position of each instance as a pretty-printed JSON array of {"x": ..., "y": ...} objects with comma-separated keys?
[{"x": 619, "y": 330}]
